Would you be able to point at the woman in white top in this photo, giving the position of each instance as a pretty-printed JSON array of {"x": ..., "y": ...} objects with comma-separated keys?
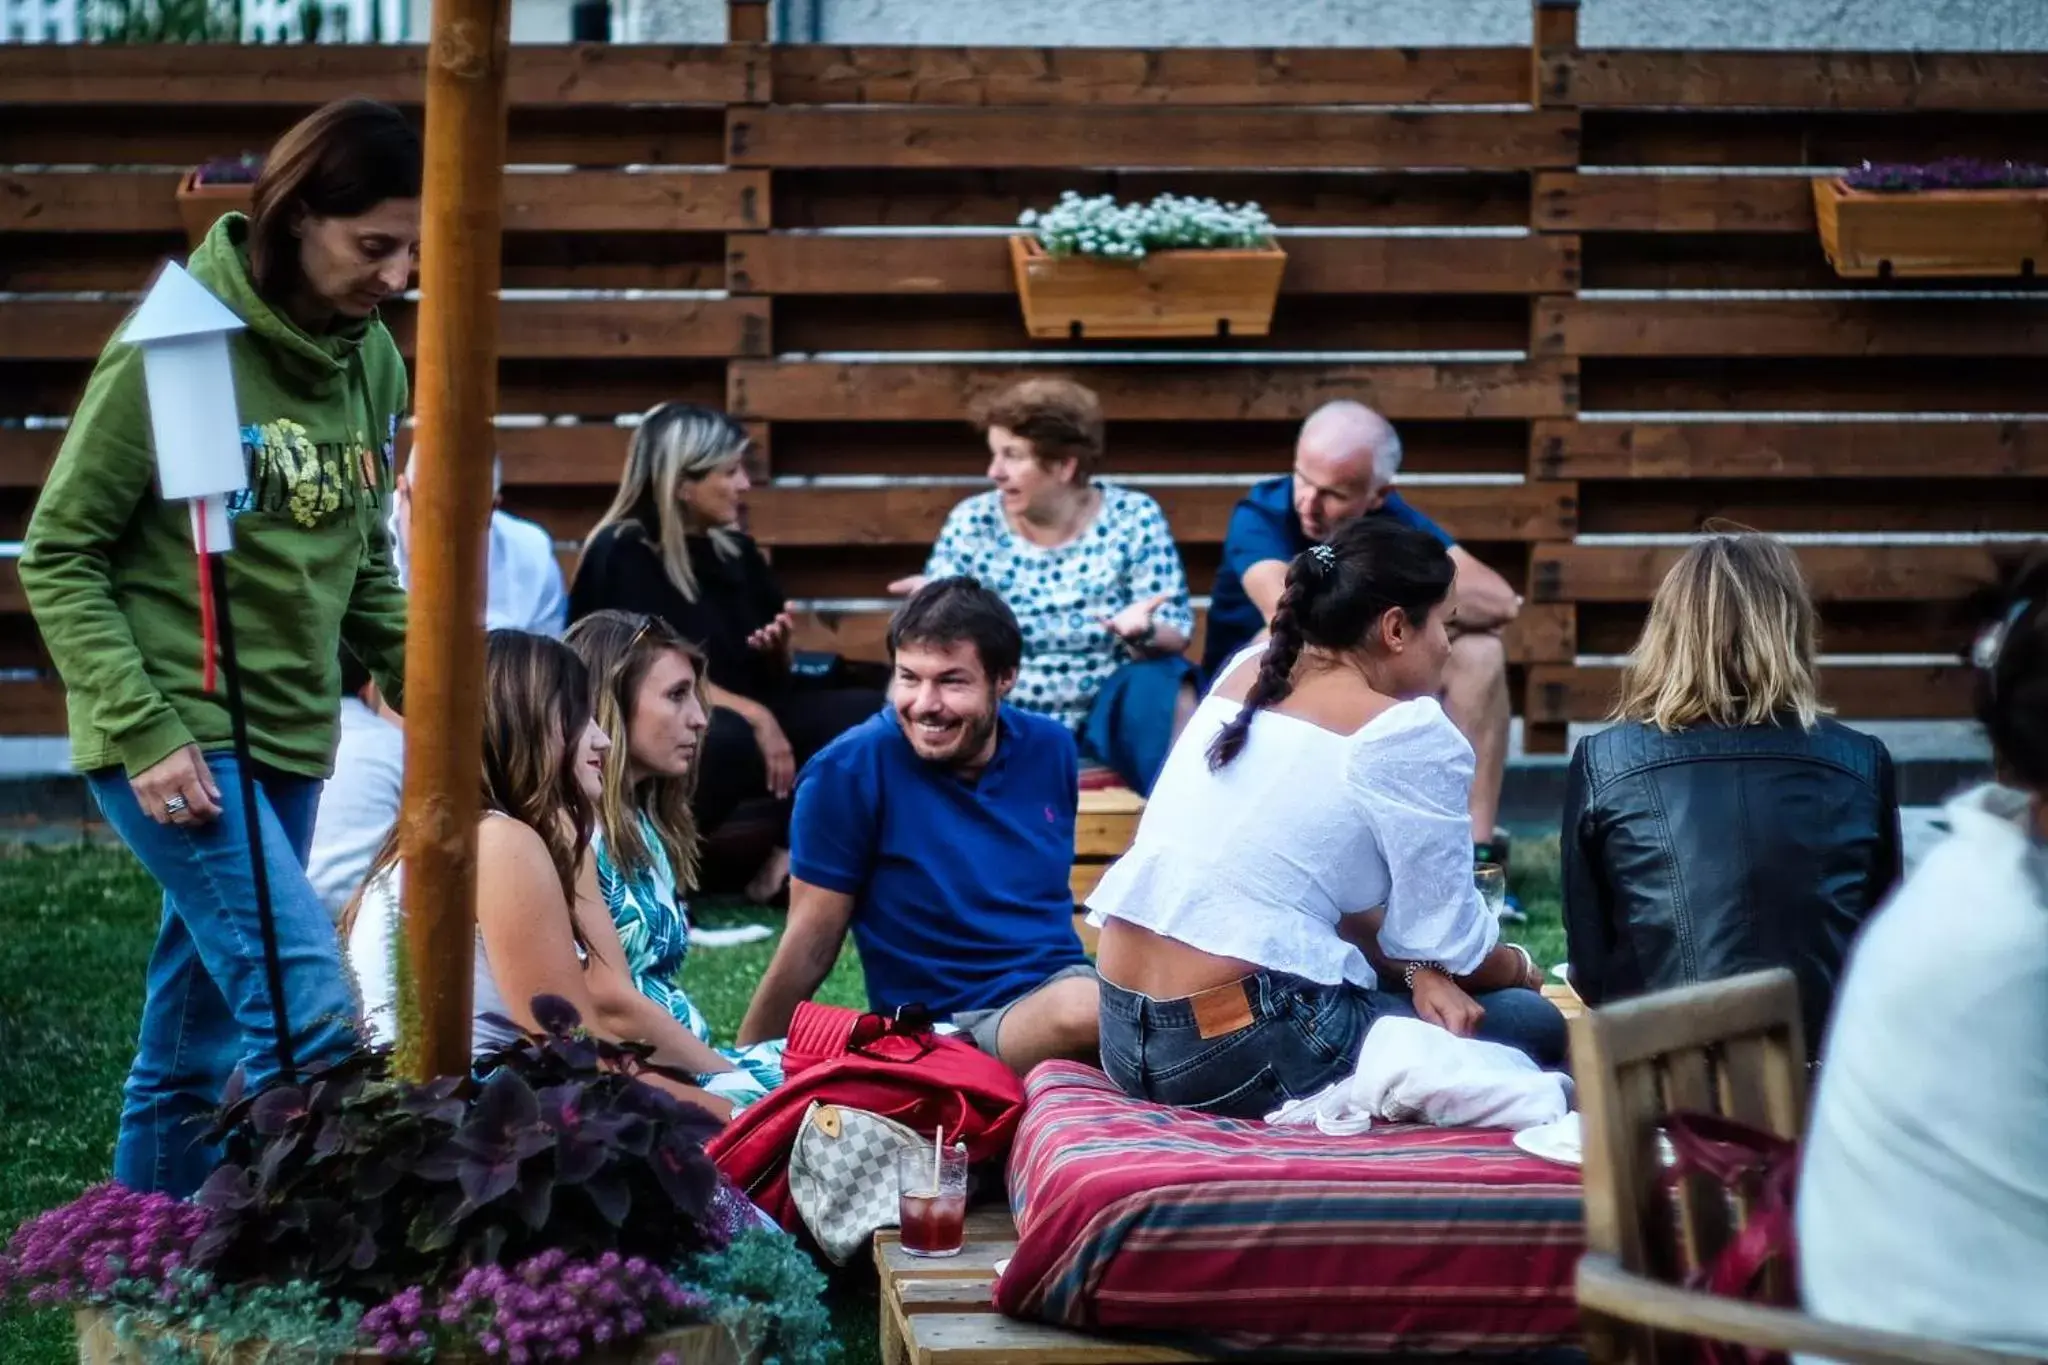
[
  {"x": 542, "y": 774},
  {"x": 1923, "y": 1190},
  {"x": 1295, "y": 879}
]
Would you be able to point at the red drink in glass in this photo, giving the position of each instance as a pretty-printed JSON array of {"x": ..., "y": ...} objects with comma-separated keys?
[
  {"x": 932, "y": 1199},
  {"x": 934, "y": 1225}
]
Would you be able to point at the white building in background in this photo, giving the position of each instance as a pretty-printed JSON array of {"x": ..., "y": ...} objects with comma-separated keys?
[{"x": 263, "y": 21}]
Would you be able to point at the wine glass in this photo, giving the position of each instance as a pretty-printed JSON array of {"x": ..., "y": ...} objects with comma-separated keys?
[{"x": 1492, "y": 881}]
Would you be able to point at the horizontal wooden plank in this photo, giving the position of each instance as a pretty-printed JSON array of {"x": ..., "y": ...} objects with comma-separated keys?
[
  {"x": 1834, "y": 573},
  {"x": 1876, "y": 81},
  {"x": 939, "y": 323},
  {"x": 925, "y": 197},
  {"x": 951, "y": 447},
  {"x": 309, "y": 75},
  {"x": 826, "y": 391},
  {"x": 1182, "y": 77},
  {"x": 797, "y": 263},
  {"x": 25, "y": 456},
  {"x": 1693, "y": 137},
  {"x": 1789, "y": 450},
  {"x": 1543, "y": 633},
  {"x": 65, "y": 262},
  {"x": 182, "y": 134},
  {"x": 1919, "y": 505},
  {"x": 1271, "y": 138},
  {"x": 32, "y": 706},
  {"x": 50, "y": 329},
  {"x": 1570, "y": 202},
  {"x": 1558, "y": 694},
  {"x": 582, "y": 201},
  {"x": 1845, "y": 627},
  {"x": 911, "y": 514},
  {"x": 1791, "y": 327},
  {"x": 1729, "y": 386},
  {"x": 992, "y": 1339}
]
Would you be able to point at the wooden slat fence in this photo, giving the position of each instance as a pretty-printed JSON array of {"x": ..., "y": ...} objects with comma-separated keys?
[{"x": 1586, "y": 285}]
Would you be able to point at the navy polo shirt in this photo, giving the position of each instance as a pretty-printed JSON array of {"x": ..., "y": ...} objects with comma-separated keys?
[
  {"x": 1264, "y": 525},
  {"x": 960, "y": 892}
]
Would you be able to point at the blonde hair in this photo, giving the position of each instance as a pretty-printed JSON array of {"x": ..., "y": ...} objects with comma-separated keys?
[
  {"x": 1730, "y": 640},
  {"x": 674, "y": 443},
  {"x": 618, "y": 648}
]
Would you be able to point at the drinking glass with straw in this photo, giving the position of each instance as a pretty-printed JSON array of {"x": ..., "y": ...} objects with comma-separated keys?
[{"x": 932, "y": 1197}]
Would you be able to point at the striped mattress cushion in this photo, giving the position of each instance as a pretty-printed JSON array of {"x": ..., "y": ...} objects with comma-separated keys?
[{"x": 1135, "y": 1216}]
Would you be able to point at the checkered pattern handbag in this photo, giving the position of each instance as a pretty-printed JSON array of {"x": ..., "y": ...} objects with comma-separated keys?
[{"x": 842, "y": 1174}]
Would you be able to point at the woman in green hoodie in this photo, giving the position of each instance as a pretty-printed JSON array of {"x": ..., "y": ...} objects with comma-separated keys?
[{"x": 112, "y": 578}]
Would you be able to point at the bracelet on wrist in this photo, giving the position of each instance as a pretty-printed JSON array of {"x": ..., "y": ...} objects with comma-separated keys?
[{"x": 1408, "y": 973}]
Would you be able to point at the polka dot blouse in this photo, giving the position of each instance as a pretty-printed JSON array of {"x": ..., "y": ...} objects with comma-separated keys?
[{"x": 1062, "y": 594}]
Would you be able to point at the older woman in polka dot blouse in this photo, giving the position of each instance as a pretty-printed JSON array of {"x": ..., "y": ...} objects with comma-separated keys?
[{"x": 1091, "y": 572}]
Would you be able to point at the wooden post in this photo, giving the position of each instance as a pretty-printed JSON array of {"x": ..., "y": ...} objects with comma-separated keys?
[
  {"x": 746, "y": 21},
  {"x": 1554, "y": 41},
  {"x": 455, "y": 399}
]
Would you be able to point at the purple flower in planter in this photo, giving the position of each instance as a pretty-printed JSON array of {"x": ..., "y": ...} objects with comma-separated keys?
[{"x": 1949, "y": 173}]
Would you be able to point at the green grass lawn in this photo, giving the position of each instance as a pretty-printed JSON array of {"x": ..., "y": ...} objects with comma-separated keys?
[{"x": 76, "y": 924}]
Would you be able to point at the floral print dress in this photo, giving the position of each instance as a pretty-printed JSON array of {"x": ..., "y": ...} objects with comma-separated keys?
[{"x": 654, "y": 929}]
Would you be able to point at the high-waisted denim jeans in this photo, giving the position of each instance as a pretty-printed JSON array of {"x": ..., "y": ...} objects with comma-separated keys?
[
  {"x": 207, "y": 1008},
  {"x": 1245, "y": 1049}
]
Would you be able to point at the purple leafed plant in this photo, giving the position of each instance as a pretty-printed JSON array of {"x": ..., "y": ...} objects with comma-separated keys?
[
  {"x": 229, "y": 170},
  {"x": 1950, "y": 173}
]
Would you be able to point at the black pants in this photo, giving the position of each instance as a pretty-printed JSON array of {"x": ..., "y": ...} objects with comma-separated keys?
[{"x": 731, "y": 771}]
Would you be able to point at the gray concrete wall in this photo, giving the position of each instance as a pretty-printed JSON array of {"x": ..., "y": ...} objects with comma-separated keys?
[{"x": 1954, "y": 25}]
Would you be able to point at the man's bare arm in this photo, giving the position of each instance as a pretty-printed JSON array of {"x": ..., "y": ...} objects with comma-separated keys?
[
  {"x": 1263, "y": 584},
  {"x": 817, "y": 924},
  {"x": 1484, "y": 600}
]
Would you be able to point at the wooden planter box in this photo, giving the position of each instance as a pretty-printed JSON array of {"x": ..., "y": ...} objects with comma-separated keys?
[
  {"x": 1225, "y": 292},
  {"x": 201, "y": 206},
  {"x": 1931, "y": 233},
  {"x": 99, "y": 1345}
]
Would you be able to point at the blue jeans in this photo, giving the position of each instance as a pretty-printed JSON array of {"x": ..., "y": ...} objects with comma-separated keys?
[
  {"x": 1243, "y": 1050},
  {"x": 207, "y": 1006},
  {"x": 1130, "y": 725}
]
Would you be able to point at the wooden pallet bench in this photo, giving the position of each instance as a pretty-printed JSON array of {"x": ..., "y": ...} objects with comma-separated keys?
[
  {"x": 942, "y": 1312},
  {"x": 1103, "y": 830}
]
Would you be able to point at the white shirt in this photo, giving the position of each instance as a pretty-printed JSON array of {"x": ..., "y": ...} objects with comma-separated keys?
[
  {"x": 358, "y": 805},
  {"x": 372, "y": 954},
  {"x": 1923, "y": 1190},
  {"x": 523, "y": 587},
  {"x": 1260, "y": 860}
]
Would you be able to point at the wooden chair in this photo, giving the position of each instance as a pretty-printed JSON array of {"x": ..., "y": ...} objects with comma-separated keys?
[{"x": 1732, "y": 1048}]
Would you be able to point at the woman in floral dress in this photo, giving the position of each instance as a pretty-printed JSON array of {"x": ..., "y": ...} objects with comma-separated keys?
[{"x": 631, "y": 895}]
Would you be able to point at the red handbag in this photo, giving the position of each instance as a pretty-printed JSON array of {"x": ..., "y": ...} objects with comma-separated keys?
[
  {"x": 1760, "y": 1263},
  {"x": 898, "y": 1068}
]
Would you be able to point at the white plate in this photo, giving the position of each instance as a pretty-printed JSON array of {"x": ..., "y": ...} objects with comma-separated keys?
[{"x": 1557, "y": 1141}]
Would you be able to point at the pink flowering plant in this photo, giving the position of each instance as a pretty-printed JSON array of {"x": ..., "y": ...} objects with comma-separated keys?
[{"x": 555, "y": 1210}]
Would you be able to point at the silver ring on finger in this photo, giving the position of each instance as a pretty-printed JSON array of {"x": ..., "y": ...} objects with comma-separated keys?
[{"x": 174, "y": 805}]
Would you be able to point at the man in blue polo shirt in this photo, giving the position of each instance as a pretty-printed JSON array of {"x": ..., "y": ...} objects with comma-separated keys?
[
  {"x": 1345, "y": 462},
  {"x": 941, "y": 831}
]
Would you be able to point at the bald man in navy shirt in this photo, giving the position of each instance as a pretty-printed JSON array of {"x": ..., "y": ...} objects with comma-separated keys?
[{"x": 1345, "y": 463}]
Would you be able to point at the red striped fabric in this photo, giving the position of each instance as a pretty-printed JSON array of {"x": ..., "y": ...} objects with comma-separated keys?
[{"x": 1134, "y": 1216}]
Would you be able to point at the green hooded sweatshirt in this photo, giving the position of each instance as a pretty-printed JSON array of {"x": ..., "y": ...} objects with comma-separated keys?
[{"x": 109, "y": 566}]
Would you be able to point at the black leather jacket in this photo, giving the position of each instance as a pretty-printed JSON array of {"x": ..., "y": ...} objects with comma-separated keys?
[{"x": 1711, "y": 852}]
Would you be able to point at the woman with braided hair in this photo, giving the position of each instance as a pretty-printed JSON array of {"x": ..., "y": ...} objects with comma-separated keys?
[{"x": 1304, "y": 866}]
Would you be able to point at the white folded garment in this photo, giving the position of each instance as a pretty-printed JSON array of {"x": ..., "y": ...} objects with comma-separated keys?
[
  {"x": 729, "y": 938},
  {"x": 1411, "y": 1070}
]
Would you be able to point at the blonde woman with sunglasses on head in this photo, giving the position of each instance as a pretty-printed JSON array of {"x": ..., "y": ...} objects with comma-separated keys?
[
  {"x": 670, "y": 545},
  {"x": 642, "y": 860}
]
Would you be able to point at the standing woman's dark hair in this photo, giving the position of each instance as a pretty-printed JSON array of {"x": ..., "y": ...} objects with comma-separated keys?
[
  {"x": 1336, "y": 596},
  {"x": 2012, "y": 672},
  {"x": 108, "y": 566},
  {"x": 339, "y": 162}
]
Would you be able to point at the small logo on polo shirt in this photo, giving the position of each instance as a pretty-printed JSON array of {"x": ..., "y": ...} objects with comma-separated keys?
[{"x": 1050, "y": 818}]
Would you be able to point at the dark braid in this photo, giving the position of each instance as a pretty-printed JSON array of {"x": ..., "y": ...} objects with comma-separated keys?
[
  {"x": 1335, "y": 597},
  {"x": 1276, "y": 667}
]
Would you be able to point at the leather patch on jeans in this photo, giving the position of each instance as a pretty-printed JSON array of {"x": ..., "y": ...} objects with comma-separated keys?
[{"x": 1222, "y": 1010}]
